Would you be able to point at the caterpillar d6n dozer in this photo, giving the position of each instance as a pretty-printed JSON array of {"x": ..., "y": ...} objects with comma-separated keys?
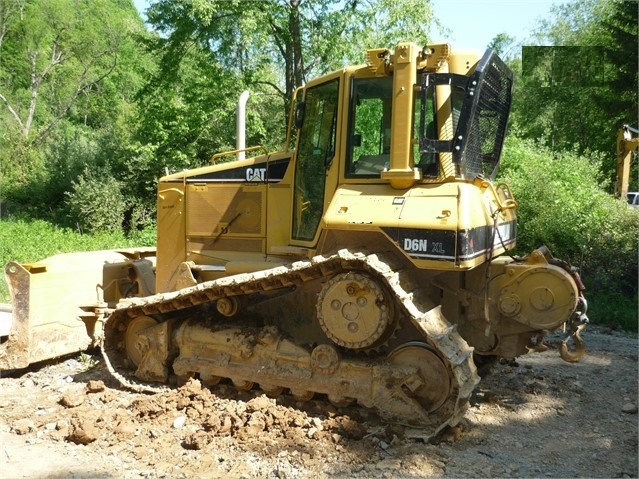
[{"x": 365, "y": 264}]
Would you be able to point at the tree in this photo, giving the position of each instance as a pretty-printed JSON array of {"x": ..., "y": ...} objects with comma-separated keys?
[
  {"x": 283, "y": 43},
  {"x": 209, "y": 51},
  {"x": 579, "y": 83},
  {"x": 96, "y": 202},
  {"x": 69, "y": 71},
  {"x": 503, "y": 44},
  {"x": 62, "y": 49}
]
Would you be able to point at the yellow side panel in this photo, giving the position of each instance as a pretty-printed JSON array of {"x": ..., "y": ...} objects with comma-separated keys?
[
  {"x": 443, "y": 226},
  {"x": 279, "y": 215},
  {"x": 171, "y": 247},
  {"x": 224, "y": 209},
  {"x": 363, "y": 207}
]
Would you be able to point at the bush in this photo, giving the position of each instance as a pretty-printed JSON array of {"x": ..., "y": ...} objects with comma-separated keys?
[
  {"x": 96, "y": 202},
  {"x": 563, "y": 204}
]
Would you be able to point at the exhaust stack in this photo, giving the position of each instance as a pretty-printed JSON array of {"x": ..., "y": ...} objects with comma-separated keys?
[{"x": 240, "y": 125}]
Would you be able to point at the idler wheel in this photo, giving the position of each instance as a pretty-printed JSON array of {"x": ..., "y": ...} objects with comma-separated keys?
[
  {"x": 355, "y": 311},
  {"x": 429, "y": 383},
  {"x": 228, "y": 306},
  {"x": 134, "y": 345}
]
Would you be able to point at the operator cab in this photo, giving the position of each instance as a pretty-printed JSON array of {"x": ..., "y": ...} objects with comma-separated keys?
[{"x": 444, "y": 140}]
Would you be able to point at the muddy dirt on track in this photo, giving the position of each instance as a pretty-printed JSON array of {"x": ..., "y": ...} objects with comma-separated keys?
[{"x": 537, "y": 417}]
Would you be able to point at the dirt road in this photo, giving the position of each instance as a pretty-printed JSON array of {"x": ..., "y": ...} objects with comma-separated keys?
[{"x": 539, "y": 417}]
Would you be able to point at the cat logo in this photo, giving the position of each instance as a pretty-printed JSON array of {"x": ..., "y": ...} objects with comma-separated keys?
[
  {"x": 255, "y": 174},
  {"x": 416, "y": 245}
]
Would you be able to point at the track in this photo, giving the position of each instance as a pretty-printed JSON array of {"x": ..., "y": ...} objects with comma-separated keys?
[{"x": 424, "y": 381}]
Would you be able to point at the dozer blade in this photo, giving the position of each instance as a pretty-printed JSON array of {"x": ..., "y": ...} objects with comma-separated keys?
[{"x": 58, "y": 303}]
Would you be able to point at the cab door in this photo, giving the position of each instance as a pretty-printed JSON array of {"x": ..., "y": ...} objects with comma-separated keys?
[{"x": 316, "y": 151}]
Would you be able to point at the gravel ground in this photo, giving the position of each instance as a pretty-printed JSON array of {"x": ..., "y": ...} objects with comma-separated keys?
[{"x": 536, "y": 417}]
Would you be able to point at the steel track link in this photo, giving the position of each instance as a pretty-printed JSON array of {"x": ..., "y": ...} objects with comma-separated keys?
[{"x": 436, "y": 330}]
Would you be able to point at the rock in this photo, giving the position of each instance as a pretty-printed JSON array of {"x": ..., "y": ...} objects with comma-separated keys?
[
  {"x": 23, "y": 426},
  {"x": 391, "y": 464},
  {"x": 629, "y": 408},
  {"x": 261, "y": 403},
  {"x": 108, "y": 396},
  {"x": 451, "y": 434},
  {"x": 196, "y": 441},
  {"x": 351, "y": 429},
  {"x": 125, "y": 427},
  {"x": 83, "y": 433},
  {"x": 226, "y": 425},
  {"x": 299, "y": 420},
  {"x": 317, "y": 422},
  {"x": 140, "y": 452},
  {"x": 28, "y": 383},
  {"x": 280, "y": 473},
  {"x": 179, "y": 422},
  {"x": 94, "y": 386},
  {"x": 512, "y": 468},
  {"x": 62, "y": 427},
  {"x": 73, "y": 399}
]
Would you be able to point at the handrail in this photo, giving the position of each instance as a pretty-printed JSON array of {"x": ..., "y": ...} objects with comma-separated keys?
[
  {"x": 510, "y": 203},
  {"x": 235, "y": 152}
]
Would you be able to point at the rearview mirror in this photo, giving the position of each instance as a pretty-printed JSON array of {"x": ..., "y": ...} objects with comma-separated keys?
[{"x": 300, "y": 108}]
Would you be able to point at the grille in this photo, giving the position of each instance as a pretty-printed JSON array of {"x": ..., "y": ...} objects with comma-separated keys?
[
  {"x": 488, "y": 120},
  {"x": 480, "y": 109}
]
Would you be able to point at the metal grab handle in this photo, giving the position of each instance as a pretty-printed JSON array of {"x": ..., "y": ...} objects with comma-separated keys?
[
  {"x": 509, "y": 204},
  {"x": 235, "y": 152}
]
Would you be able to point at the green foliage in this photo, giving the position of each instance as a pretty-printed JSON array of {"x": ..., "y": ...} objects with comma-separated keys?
[
  {"x": 613, "y": 309},
  {"x": 96, "y": 202},
  {"x": 87, "y": 361},
  {"x": 56, "y": 56},
  {"x": 184, "y": 117},
  {"x": 578, "y": 83},
  {"x": 282, "y": 44},
  {"x": 562, "y": 204},
  {"x": 571, "y": 96},
  {"x": 504, "y": 46},
  {"x": 68, "y": 89}
]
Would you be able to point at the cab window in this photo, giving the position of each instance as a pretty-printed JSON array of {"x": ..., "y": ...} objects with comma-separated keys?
[
  {"x": 369, "y": 127},
  {"x": 316, "y": 149}
]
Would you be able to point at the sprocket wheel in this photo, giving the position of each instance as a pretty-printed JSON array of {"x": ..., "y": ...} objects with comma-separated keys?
[{"x": 355, "y": 311}]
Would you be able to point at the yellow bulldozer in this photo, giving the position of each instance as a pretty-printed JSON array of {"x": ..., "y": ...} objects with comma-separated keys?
[{"x": 367, "y": 261}]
